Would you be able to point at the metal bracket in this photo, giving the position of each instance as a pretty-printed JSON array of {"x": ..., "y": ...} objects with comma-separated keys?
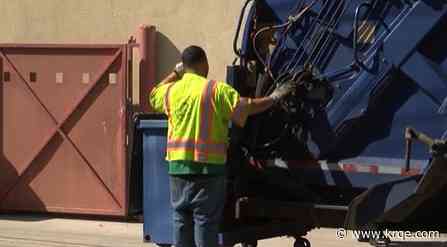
[
  {"x": 357, "y": 61},
  {"x": 437, "y": 147}
]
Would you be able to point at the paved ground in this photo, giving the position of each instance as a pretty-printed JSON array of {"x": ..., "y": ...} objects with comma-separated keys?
[{"x": 29, "y": 231}]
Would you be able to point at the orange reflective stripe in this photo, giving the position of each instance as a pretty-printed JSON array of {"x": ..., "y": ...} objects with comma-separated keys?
[
  {"x": 201, "y": 157},
  {"x": 167, "y": 108},
  {"x": 191, "y": 145},
  {"x": 206, "y": 116},
  {"x": 203, "y": 146},
  {"x": 166, "y": 100},
  {"x": 173, "y": 140}
]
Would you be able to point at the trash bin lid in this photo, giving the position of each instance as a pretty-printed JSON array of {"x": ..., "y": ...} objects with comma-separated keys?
[{"x": 151, "y": 124}]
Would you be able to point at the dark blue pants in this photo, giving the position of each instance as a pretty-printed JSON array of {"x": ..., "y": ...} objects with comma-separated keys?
[{"x": 198, "y": 203}]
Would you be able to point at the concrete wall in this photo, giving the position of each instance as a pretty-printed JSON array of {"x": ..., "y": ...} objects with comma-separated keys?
[{"x": 208, "y": 23}]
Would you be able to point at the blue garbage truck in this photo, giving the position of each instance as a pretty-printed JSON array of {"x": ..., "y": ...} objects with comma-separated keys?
[{"x": 360, "y": 144}]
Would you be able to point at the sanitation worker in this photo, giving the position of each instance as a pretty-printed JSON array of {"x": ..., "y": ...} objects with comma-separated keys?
[{"x": 199, "y": 111}]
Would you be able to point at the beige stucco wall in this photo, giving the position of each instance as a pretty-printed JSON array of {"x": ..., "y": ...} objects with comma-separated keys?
[{"x": 208, "y": 23}]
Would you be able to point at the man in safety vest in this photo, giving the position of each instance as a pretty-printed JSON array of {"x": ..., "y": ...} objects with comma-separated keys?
[{"x": 199, "y": 111}]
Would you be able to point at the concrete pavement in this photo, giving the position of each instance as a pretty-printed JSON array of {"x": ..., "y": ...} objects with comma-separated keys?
[
  {"x": 30, "y": 231},
  {"x": 33, "y": 231}
]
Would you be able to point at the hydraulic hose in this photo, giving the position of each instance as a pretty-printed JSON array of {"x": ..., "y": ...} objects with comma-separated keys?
[{"x": 287, "y": 25}]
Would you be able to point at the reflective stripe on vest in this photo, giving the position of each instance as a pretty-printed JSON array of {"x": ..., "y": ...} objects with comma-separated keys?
[
  {"x": 192, "y": 145},
  {"x": 167, "y": 107},
  {"x": 204, "y": 145}
]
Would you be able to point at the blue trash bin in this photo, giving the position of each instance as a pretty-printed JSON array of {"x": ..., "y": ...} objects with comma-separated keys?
[{"x": 157, "y": 210}]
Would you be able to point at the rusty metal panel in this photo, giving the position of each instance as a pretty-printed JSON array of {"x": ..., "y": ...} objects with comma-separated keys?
[{"x": 63, "y": 128}]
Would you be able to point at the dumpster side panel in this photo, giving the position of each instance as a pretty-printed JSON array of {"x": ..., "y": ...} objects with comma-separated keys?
[{"x": 63, "y": 128}]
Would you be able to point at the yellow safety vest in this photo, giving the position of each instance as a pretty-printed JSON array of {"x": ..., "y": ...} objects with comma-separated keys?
[{"x": 198, "y": 113}]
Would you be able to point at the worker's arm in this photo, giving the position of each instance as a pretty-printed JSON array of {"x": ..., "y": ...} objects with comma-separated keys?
[
  {"x": 259, "y": 105},
  {"x": 249, "y": 106},
  {"x": 239, "y": 108},
  {"x": 174, "y": 75},
  {"x": 157, "y": 94}
]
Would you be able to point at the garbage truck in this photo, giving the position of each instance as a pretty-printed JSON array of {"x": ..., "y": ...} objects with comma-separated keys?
[{"x": 361, "y": 143}]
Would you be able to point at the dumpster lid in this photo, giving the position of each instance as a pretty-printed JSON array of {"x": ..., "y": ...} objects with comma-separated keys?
[
  {"x": 150, "y": 120},
  {"x": 151, "y": 124}
]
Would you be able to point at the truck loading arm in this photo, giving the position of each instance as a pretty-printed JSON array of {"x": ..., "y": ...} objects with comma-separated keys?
[{"x": 394, "y": 202}]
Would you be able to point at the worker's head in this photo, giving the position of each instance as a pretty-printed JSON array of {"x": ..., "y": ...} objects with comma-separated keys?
[{"x": 195, "y": 61}]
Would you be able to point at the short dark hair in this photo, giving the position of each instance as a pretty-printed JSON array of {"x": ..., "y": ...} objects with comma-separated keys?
[{"x": 193, "y": 55}]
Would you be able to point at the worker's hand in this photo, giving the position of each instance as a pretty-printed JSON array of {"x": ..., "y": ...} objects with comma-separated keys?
[
  {"x": 283, "y": 90},
  {"x": 179, "y": 70}
]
